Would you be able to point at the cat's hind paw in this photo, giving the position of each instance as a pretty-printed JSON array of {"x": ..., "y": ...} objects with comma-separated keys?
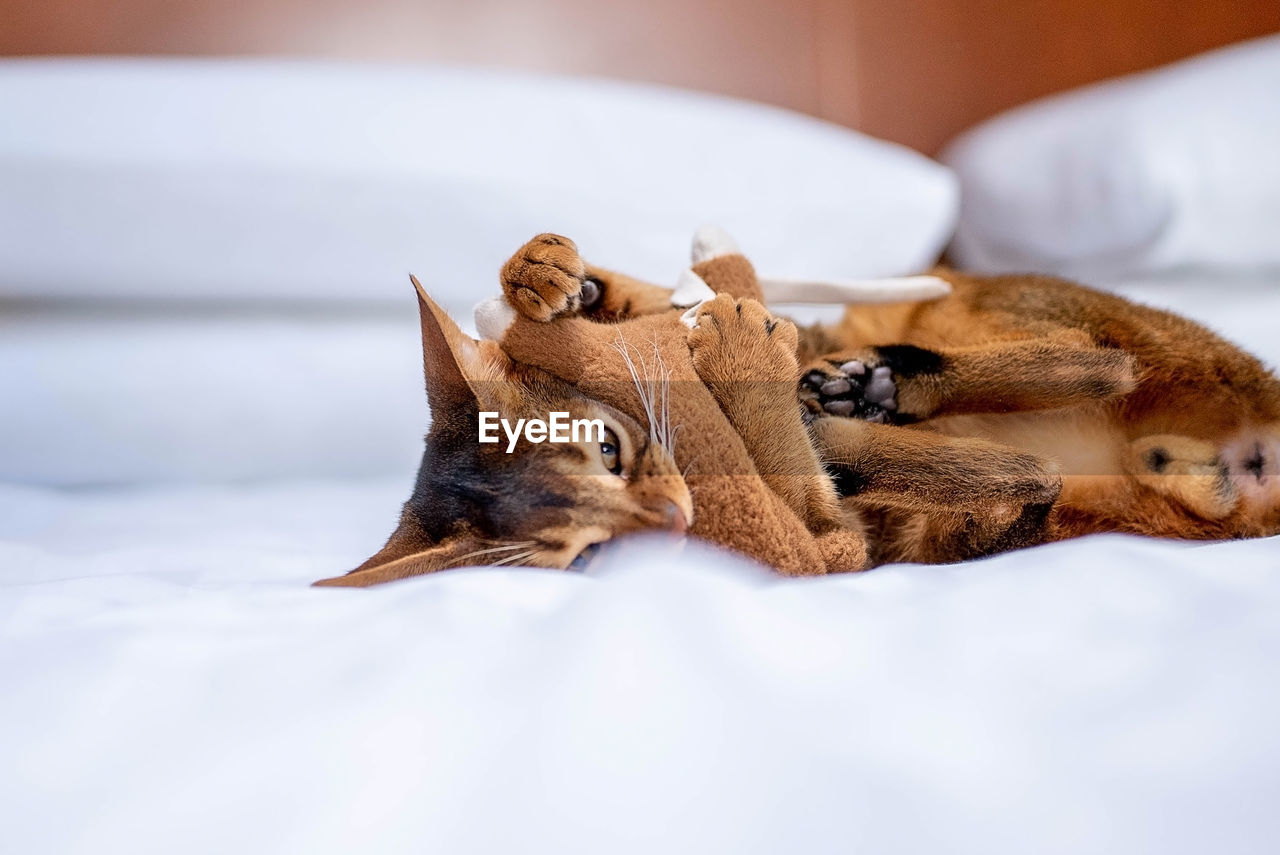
[{"x": 858, "y": 388}]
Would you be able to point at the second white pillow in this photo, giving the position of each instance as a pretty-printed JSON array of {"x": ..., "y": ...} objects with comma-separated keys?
[{"x": 1175, "y": 168}]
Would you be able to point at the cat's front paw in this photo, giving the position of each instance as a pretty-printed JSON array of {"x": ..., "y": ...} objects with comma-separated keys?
[
  {"x": 857, "y": 386},
  {"x": 547, "y": 278},
  {"x": 738, "y": 339}
]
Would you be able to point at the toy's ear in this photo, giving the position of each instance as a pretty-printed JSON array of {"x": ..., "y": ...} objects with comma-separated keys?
[
  {"x": 459, "y": 371},
  {"x": 719, "y": 267}
]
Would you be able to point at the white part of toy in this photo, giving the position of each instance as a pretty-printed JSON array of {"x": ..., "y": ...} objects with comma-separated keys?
[
  {"x": 891, "y": 290},
  {"x": 691, "y": 290},
  {"x": 494, "y": 317},
  {"x": 690, "y": 317},
  {"x": 712, "y": 242}
]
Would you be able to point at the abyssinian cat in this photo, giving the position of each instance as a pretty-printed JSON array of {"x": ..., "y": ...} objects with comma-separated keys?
[{"x": 1038, "y": 364}]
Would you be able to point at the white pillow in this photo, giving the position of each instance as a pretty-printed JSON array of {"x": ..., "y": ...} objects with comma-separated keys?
[
  {"x": 124, "y": 399},
  {"x": 1175, "y": 168},
  {"x": 272, "y": 179}
]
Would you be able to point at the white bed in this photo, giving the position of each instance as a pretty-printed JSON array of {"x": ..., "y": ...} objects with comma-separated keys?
[
  {"x": 170, "y": 683},
  {"x": 174, "y": 474}
]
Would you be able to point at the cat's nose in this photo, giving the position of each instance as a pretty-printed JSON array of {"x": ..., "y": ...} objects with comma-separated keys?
[
  {"x": 670, "y": 517},
  {"x": 673, "y": 518}
]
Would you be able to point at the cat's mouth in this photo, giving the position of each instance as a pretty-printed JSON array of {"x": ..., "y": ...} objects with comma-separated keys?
[
  {"x": 585, "y": 558},
  {"x": 664, "y": 516}
]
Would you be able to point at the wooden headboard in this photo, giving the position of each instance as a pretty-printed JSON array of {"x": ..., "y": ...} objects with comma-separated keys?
[{"x": 914, "y": 71}]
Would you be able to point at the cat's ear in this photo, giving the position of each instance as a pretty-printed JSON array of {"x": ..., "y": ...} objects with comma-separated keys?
[
  {"x": 440, "y": 557},
  {"x": 459, "y": 371},
  {"x": 409, "y": 552}
]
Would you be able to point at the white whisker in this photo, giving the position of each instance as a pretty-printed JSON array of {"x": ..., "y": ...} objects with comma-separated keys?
[
  {"x": 689, "y": 465},
  {"x": 646, "y": 401},
  {"x": 675, "y": 435},
  {"x": 524, "y": 544},
  {"x": 664, "y": 378},
  {"x": 653, "y": 385},
  {"x": 518, "y": 558}
]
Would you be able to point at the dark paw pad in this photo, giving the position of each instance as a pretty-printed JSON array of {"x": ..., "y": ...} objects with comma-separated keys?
[{"x": 854, "y": 389}]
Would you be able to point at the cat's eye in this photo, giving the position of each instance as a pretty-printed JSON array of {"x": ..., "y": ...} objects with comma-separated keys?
[{"x": 610, "y": 453}]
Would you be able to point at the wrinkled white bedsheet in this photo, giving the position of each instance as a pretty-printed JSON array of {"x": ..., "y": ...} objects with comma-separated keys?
[
  {"x": 171, "y": 685},
  {"x": 168, "y": 683}
]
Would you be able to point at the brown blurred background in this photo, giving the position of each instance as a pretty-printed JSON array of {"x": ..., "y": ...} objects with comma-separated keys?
[{"x": 913, "y": 71}]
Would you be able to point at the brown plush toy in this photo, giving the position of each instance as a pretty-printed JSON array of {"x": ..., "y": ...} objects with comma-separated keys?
[
  {"x": 724, "y": 372},
  {"x": 699, "y": 430}
]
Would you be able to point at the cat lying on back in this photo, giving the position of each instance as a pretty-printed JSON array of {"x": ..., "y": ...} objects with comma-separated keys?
[
  {"x": 934, "y": 495},
  {"x": 748, "y": 476}
]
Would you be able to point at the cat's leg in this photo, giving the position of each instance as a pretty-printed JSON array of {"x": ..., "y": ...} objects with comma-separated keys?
[
  {"x": 610, "y": 296},
  {"x": 547, "y": 279},
  {"x": 941, "y": 536},
  {"x": 962, "y": 497},
  {"x": 746, "y": 357},
  {"x": 717, "y": 267},
  {"x": 915, "y": 468},
  {"x": 903, "y": 383},
  {"x": 547, "y": 283}
]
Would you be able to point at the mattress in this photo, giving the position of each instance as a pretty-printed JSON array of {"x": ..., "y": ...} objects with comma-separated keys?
[{"x": 170, "y": 683}]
